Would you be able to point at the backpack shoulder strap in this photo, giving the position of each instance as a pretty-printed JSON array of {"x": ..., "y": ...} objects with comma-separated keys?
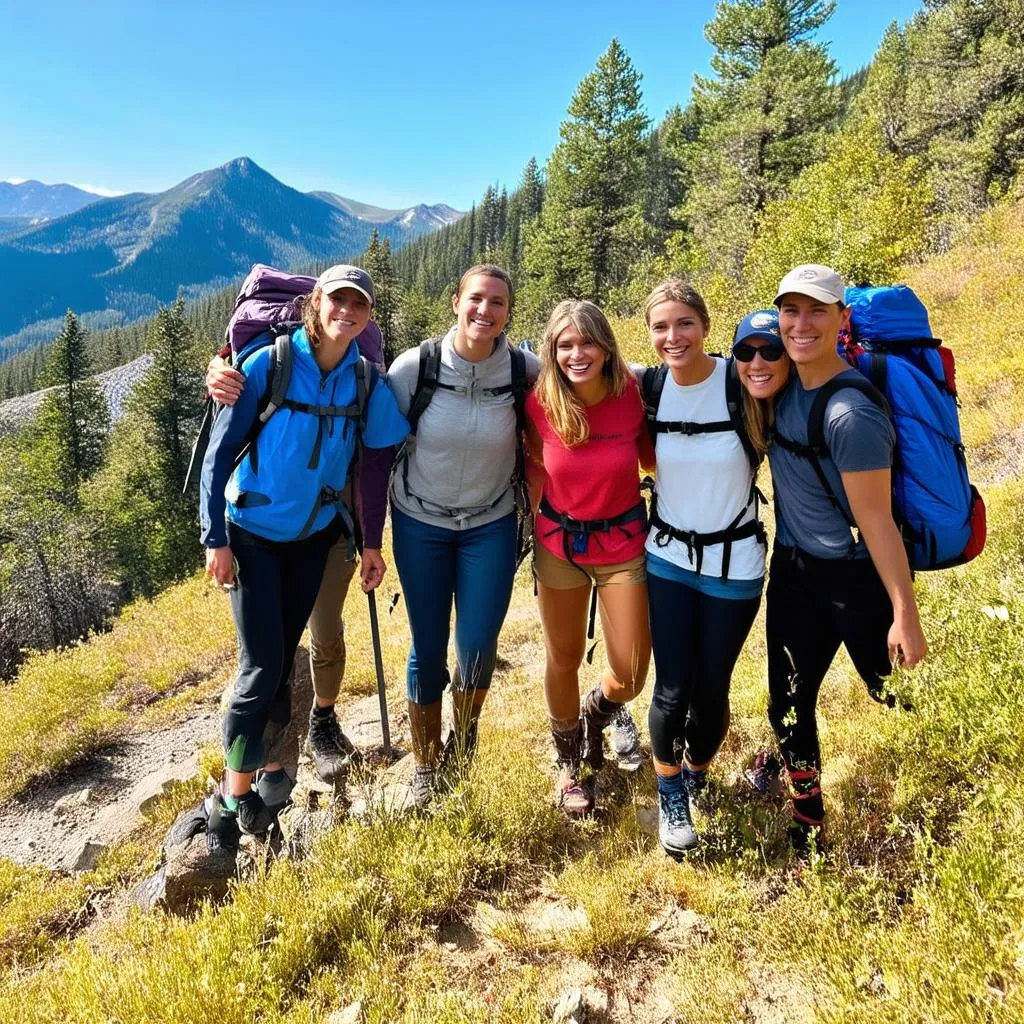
[
  {"x": 734, "y": 402},
  {"x": 426, "y": 381},
  {"x": 652, "y": 384},
  {"x": 520, "y": 385},
  {"x": 366, "y": 380},
  {"x": 816, "y": 417},
  {"x": 279, "y": 375}
]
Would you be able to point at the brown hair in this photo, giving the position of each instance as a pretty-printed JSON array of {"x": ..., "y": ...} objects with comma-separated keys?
[
  {"x": 489, "y": 270},
  {"x": 675, "y": 289},
  {"x": 758, "y": 416},
  {"x": 564, "y": 411},
  {"x": 309, "y": 313}
]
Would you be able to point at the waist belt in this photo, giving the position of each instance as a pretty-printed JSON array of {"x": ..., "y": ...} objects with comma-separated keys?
[{"x": 576, "y": 532}]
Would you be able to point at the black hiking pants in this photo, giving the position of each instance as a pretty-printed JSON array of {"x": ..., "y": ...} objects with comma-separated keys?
[
  {"x": 276, "y": 587},
  {"x": 813, "y": 606}
]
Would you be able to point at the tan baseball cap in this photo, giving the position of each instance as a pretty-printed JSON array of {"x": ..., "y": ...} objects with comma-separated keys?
[{"x": 821, "y": 283}]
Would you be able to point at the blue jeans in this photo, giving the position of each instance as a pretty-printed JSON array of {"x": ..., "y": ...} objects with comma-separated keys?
[{"x": 475, "y": 567}]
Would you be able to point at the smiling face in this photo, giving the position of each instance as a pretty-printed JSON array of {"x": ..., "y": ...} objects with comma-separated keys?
[
  {"x": 763, "y": 379},
  {"x": 342, "y": 314},
  {"x": 810, "y": 327},
  {"x": 581, "y": 359},
  {"x": 482, "y": 308},
  {"x": 677, "y": 334}
]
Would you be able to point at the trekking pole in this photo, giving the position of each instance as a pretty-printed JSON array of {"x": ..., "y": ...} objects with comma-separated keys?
[{"x": 371, "y": 596}]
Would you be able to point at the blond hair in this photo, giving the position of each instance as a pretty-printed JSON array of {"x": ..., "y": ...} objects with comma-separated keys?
[
  {"x": 564, "y": 411},
  {"x": 675, "y": 289}
]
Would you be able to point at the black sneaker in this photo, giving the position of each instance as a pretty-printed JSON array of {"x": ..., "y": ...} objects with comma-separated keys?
[
  {"x": 333, "y": 753},
  {"x": 675, "y": 829},
  {"x": 254, "y": 817},
  {"x": 625, "y": 737},
  {"x": 424, "y": 785},
  {"x": 222, "y": 833}
]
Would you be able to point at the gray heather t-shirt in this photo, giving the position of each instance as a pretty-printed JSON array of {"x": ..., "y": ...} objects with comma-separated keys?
[
  {"x": 464, "y": 452},
  {"x": 859, "y": 437}
]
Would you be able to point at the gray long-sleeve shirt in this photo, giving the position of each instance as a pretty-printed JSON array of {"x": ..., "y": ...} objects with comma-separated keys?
[{"x": 458, "y": 467}]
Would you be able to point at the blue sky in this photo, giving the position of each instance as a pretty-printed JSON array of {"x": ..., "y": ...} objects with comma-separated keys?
[{"x": 391, "y": 103}]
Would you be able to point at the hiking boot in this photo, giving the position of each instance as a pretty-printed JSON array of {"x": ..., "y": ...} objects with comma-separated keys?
[
  {"x": 275, "y": 789},
  {"x": 222, "y": 833},
  {"x": 424, "y": 785},
  {"x": 625, "y": 738},
  {"x": 459, "y": 752},
  {"x": 675, "y": 828},
  {"x": 333, "y": 753},
  {"x": 696, "y": 786},
  {"x": 762, "y": 774},
  {"x": 254, "y": 817},
  {"x": 594, "y": 723},
  {"x": 574, "y": 789},
  {"x": 803, "y": 837}
]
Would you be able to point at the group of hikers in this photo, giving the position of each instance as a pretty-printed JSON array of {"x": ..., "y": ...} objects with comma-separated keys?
[{"x": 460, "y": 433}]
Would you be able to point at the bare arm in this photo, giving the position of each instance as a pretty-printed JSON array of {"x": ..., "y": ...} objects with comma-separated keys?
[
  {"x": 870, "y": 499},
  {"x": 535, "y": 473}
]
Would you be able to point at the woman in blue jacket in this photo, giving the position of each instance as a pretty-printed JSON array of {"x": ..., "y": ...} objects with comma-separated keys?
[{"x": 270, "y": 517}]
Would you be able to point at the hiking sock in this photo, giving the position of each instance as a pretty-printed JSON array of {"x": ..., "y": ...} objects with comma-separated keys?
[
  {"x": 598, "y": 711},
  {"x": 318, "y": 712},
  {"x": 230, "y": 803},
  {"x": 669, "y": 784}
]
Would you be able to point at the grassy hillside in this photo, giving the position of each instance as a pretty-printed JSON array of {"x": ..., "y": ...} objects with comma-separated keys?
[{"x": 491, "y": 907}]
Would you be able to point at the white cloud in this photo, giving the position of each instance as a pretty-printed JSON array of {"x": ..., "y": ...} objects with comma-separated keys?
[{"x": 15, "y": 181}]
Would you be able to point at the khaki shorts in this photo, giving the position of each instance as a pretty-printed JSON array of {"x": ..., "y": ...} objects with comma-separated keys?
[{"x": 558, "y": 574}]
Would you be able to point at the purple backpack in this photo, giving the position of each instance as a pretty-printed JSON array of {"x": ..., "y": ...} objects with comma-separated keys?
[{"x": 269, "y": 296}]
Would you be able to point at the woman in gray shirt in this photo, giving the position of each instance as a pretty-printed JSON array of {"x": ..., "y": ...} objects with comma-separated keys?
[{"x": 453, "y": 511}]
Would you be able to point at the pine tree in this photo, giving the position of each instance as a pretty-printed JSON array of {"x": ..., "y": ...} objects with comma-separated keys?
[
  {"x": 377, "y": 262},
  {"x": 591, "y": 225},
  {"x": 763, "y": 118},
  {"x": 69, "y": 433}
]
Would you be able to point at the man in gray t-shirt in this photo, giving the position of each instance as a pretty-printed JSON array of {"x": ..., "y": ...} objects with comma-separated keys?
[{"x": 828, "y": 587}]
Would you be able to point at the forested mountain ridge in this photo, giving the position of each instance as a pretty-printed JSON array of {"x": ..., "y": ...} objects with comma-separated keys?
[
  {"x": 128, "y": 254},
  {"x": 36, "y": 201}
]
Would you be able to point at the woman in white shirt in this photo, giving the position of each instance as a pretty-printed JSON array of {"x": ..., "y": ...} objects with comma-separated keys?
[{"x": 706, "y": 547}]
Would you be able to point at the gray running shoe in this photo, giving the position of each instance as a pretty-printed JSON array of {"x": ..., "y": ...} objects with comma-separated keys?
[
  {"x": 333, "y": 753},
  {"x": 625, "y": 737},
  {"x": 675, "y": 829}
]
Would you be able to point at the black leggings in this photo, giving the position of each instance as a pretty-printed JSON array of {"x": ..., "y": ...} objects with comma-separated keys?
[
  {"x": 696, "y": 640},
  {"x": 814, "y": 605},
  {"x": 277, "y": 586}
]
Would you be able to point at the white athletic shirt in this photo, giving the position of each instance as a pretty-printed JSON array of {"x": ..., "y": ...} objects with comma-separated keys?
[{"x": 703, "y": 480}]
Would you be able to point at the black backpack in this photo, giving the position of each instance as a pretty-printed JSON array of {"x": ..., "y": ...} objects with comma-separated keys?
[{"x": 428, "y": 381}]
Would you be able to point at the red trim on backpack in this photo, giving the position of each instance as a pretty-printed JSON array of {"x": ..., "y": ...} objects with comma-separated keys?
[
  {"x": 979, "y": 526},
  {"x": 948, "y": 368}
]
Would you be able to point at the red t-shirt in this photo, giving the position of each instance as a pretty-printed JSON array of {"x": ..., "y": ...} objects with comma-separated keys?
[{"x": 598, "y": 479}]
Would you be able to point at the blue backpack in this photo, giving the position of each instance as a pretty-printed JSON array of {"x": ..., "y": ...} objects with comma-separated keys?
[{"x": 910, "y": 375}]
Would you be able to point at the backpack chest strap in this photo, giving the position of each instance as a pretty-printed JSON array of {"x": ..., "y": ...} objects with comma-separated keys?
[{"x": 688, "y": 428}]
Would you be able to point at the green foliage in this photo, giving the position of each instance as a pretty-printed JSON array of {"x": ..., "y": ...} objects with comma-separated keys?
[
  {"x": 592, "y": 223},
  {"x": 862, "y": 210},
  {"x": 377, "y": 262},
  {"x": 70, "y": 430},
  {"x": 141, "y": 518},
  {"x": 763, "y": 118}
]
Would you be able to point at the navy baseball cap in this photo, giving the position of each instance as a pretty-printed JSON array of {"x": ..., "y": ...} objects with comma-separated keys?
[{"x": 762, "y": 323}]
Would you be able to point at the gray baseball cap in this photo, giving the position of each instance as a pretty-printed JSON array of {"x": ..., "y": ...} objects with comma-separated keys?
[
  {"x": 821, "y": 283},
  {"x": 343, "y": 275}
]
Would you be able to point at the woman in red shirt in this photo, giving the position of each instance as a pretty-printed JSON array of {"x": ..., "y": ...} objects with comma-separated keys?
[{"x": 586, "y": 435}]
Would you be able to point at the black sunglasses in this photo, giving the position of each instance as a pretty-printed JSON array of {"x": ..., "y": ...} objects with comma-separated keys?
[{"x": 769, "y": 353}]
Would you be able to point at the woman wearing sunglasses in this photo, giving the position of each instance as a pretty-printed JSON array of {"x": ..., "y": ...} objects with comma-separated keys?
[{"x": 705, "y": 547}]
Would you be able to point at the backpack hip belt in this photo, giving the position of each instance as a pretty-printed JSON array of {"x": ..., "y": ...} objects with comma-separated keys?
[{"x": 585, "y": 527}]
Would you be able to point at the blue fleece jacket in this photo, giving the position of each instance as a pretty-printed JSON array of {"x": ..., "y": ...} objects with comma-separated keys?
[{"x": 277, "y": 501}]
